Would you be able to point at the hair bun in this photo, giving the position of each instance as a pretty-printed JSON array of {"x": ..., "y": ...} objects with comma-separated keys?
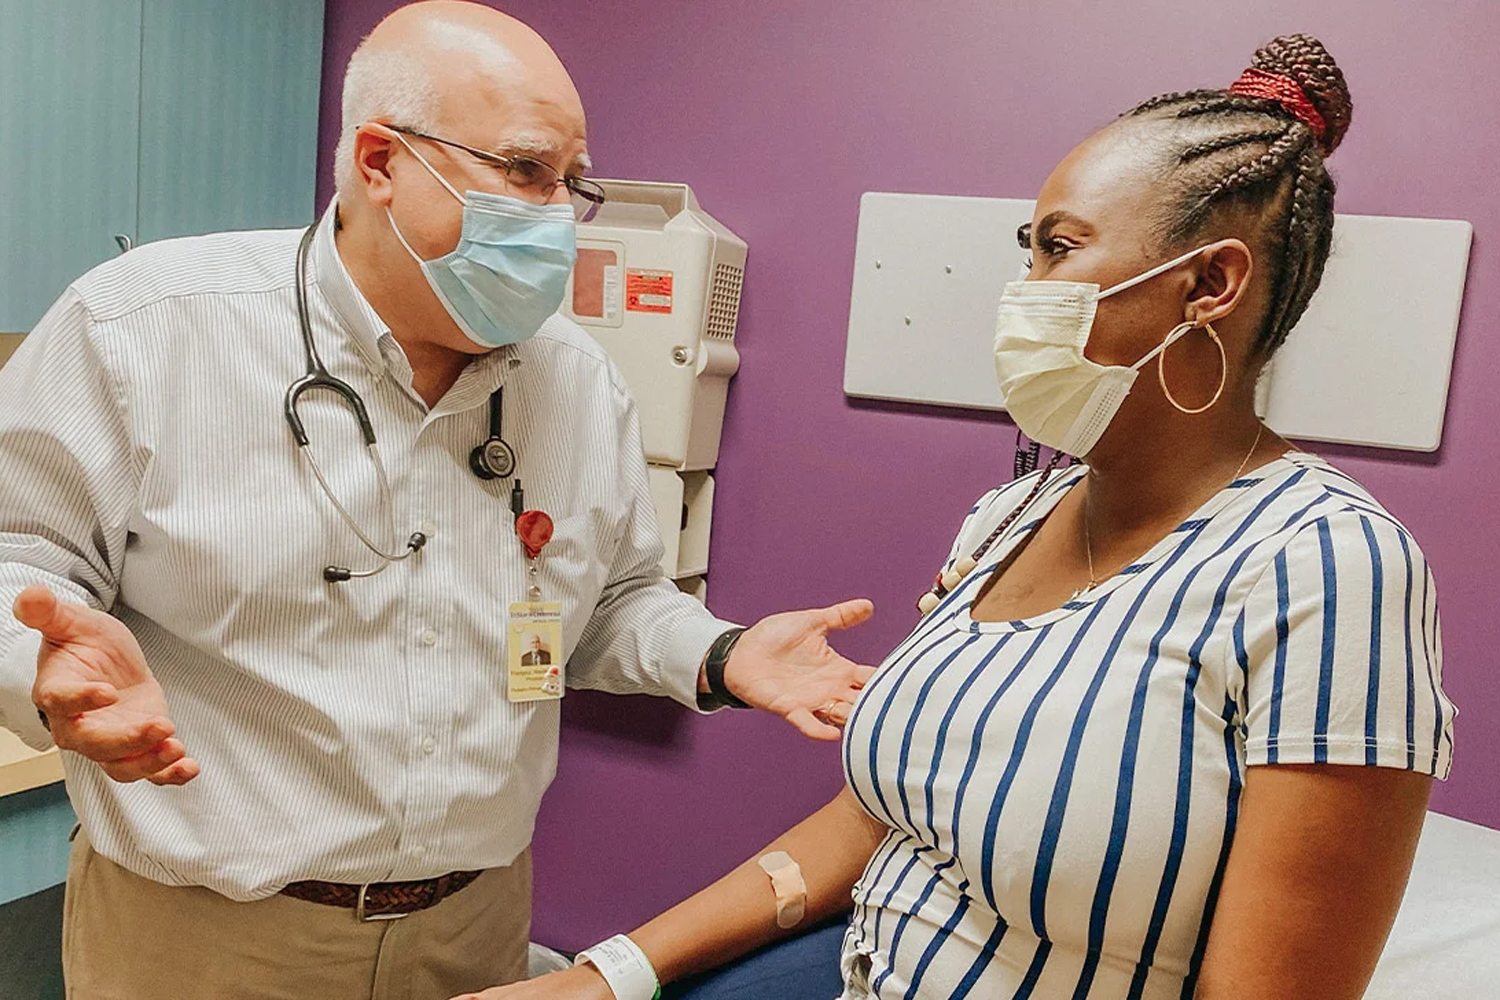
[{"x": 1304, "y": 59}]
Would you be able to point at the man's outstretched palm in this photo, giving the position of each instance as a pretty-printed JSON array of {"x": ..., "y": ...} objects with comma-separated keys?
[
  {"x": 99, "y": 697},
  {"x": 784, "y": 665}
]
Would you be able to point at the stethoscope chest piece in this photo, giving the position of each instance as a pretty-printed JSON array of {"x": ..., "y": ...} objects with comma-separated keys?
[{"x": 494, "y": 459}]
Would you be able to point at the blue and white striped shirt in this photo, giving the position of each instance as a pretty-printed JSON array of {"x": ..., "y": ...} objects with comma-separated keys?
[{"x": 1062, "y": 790}]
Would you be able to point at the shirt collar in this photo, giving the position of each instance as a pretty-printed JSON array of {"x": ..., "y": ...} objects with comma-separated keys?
[{"x": 359, "y": 318}]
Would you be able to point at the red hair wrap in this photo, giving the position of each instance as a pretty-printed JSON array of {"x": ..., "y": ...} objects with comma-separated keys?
[{"x": 1284, "y": 91}]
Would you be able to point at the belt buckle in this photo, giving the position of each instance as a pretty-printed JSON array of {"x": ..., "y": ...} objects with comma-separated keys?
[{"x": 366, "y": 918}]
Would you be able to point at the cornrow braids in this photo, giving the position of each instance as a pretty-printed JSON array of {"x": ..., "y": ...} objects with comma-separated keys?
[{"x": 1258, "y": 150}]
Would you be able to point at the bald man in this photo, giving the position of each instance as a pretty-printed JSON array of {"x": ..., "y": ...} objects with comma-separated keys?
[{"x": 269, "y": 630}]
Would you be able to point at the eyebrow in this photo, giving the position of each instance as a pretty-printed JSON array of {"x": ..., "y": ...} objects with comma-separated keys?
[
  {"x": 542, "y": 149},
  {"x": 1049, "y": 224}
]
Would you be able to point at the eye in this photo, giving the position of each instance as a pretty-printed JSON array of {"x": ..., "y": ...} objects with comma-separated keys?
[
  {"x": 1054, "y": 248},
  {"x": 524, "y": 172}
]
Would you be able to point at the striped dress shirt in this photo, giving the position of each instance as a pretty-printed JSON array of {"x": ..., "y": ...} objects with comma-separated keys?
[
  {"x": 351, "y": 732},
  {"x": 1062, "y": 791}
]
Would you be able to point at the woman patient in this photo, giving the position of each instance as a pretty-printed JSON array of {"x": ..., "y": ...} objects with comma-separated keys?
[{"x": 1168, "y": 725}]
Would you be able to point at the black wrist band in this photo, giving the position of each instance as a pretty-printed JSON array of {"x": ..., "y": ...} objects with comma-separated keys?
[{"x": 713, "y": 669}]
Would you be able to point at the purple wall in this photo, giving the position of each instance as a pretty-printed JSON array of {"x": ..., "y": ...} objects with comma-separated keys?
[{"x": 780, "y": 114}]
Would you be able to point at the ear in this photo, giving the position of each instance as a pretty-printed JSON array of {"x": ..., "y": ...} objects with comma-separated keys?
[
  {"x": 1223, "y": 277},
  {"x": 373, "y": 144}
]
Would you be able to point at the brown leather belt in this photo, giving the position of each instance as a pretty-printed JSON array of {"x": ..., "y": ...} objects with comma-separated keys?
[{"x": 382, "y": 900}]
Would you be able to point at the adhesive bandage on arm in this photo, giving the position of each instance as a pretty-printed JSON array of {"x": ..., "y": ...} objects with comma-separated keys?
[
  {"x": 624, "y": 967},
  {"x": 790, "y": 889}
]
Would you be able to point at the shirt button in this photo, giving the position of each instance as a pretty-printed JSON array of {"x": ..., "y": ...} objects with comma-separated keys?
[
  {"x": 428, "y": 636},
  {"x": 419, "y": 851},
  {"x": 426, "y": 527},
  {"x": 428, "y": 744}
]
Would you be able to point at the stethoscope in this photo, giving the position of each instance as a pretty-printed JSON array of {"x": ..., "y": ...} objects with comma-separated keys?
[{"x": 493, "y": 459}]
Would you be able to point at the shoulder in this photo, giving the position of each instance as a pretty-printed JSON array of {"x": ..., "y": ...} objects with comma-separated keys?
[
  {"x": 1323, "y": 496},
  {"x": 216, "y": 265},
  {"x": 1334, "y": 527},
  {"x": 999, "y": 503},
  {"x": 564, "y": 348}
]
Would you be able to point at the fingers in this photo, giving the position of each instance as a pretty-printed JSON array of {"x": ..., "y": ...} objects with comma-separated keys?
[
  {"x": 60, "y": 699},
  {"x": 37, "y": 607},
  {"x": 180, "y": 773},
  {"x": 107, "y": 736},
  {"x": 158, "y": 758},
  {"x": 834, "y": 713},
  {"x": 167, "y": 763},
  {"x": 810, "y": 727},
  {"x": 847, "y": 614},
  {"x": 127, "y": 750}
]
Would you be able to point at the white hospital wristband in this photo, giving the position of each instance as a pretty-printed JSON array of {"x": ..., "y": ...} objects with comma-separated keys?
[{"x": 624, "y": 967}]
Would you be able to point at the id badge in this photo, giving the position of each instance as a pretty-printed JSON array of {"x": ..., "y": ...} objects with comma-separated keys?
[{"x": 534, "y": 652}]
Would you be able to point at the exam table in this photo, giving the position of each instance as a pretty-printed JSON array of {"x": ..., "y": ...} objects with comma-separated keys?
[{"x": 1445, "y": 945}]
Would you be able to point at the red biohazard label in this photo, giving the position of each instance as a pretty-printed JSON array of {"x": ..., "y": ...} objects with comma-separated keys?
[{"x": 648, "y": 291}]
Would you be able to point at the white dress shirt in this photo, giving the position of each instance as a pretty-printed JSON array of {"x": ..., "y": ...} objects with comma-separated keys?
[{"x": 351, "y": 732}]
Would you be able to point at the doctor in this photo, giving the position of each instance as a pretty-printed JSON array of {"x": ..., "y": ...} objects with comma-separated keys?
[{"x": 303, "y": 650}]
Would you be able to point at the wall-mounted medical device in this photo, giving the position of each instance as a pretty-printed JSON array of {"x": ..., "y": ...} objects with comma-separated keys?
[
  {"x": 657, "y": 284},
  {"x": 1368, "y": 364}
]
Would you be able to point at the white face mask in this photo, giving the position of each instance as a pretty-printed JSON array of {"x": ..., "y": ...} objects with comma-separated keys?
[{"x": 1053, "y": 392}]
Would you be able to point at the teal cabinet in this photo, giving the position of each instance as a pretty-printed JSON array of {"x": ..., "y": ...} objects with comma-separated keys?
[
  {"x": 144, "y": 119},
  {"x": 229, "y": 115},
  {"x": 70, "y": 80},
  {"x": 35, "y": 827},
  {"x": 34, "y": 830}
]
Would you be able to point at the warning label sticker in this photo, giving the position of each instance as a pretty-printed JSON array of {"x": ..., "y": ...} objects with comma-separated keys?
[{"x": 648, "y": 291}]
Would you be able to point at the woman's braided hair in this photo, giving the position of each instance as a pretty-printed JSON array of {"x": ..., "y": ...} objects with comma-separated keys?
[{"x": 1257, "y": 149}]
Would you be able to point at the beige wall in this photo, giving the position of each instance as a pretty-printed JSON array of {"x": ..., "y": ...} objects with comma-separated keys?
[{"x": 8, "y": 343}]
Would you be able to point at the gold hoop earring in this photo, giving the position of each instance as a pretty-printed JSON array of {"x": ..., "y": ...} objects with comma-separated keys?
[{"x": 1161, "y": 366}]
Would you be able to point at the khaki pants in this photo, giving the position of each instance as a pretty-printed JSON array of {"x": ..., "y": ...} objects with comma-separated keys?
[{"x": 128, "y": 938}]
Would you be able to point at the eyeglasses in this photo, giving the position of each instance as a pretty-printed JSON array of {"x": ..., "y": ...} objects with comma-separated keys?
[{"x": 527, "y": 175}]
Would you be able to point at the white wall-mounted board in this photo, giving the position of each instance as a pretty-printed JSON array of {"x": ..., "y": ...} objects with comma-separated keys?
[
  {"x": 1368, "y": 364},
  {"x": 1370, "y": 361}
]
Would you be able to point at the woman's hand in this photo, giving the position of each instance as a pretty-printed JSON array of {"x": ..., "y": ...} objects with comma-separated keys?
[{"x": 582, "y": 982}]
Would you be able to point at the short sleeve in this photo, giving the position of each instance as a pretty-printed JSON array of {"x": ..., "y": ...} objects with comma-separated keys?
[{"x": 1340, "y": 654}]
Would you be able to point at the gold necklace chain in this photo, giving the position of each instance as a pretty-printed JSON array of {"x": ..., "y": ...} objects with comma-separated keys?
[{"x": 1088, "y": 547}]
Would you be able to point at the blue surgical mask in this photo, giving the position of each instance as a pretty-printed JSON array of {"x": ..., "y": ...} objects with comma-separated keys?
[{"x": 510, "y": 270}]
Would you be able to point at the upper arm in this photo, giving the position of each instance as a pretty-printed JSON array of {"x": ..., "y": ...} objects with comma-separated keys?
[
  {"x": 1319, "y": 864},
  {"x": 67, "y": 476},
  {"x": 1339, "y": 657},
  {"x": 1344, "y": 724},
  {"x": 643, "y": 635},
  {"x": 67, "y": 488}
]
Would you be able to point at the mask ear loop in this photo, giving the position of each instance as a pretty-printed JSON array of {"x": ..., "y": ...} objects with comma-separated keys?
[
  {"x": 1161, "y": 366},
  {"x": 430, "y": 168}
]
